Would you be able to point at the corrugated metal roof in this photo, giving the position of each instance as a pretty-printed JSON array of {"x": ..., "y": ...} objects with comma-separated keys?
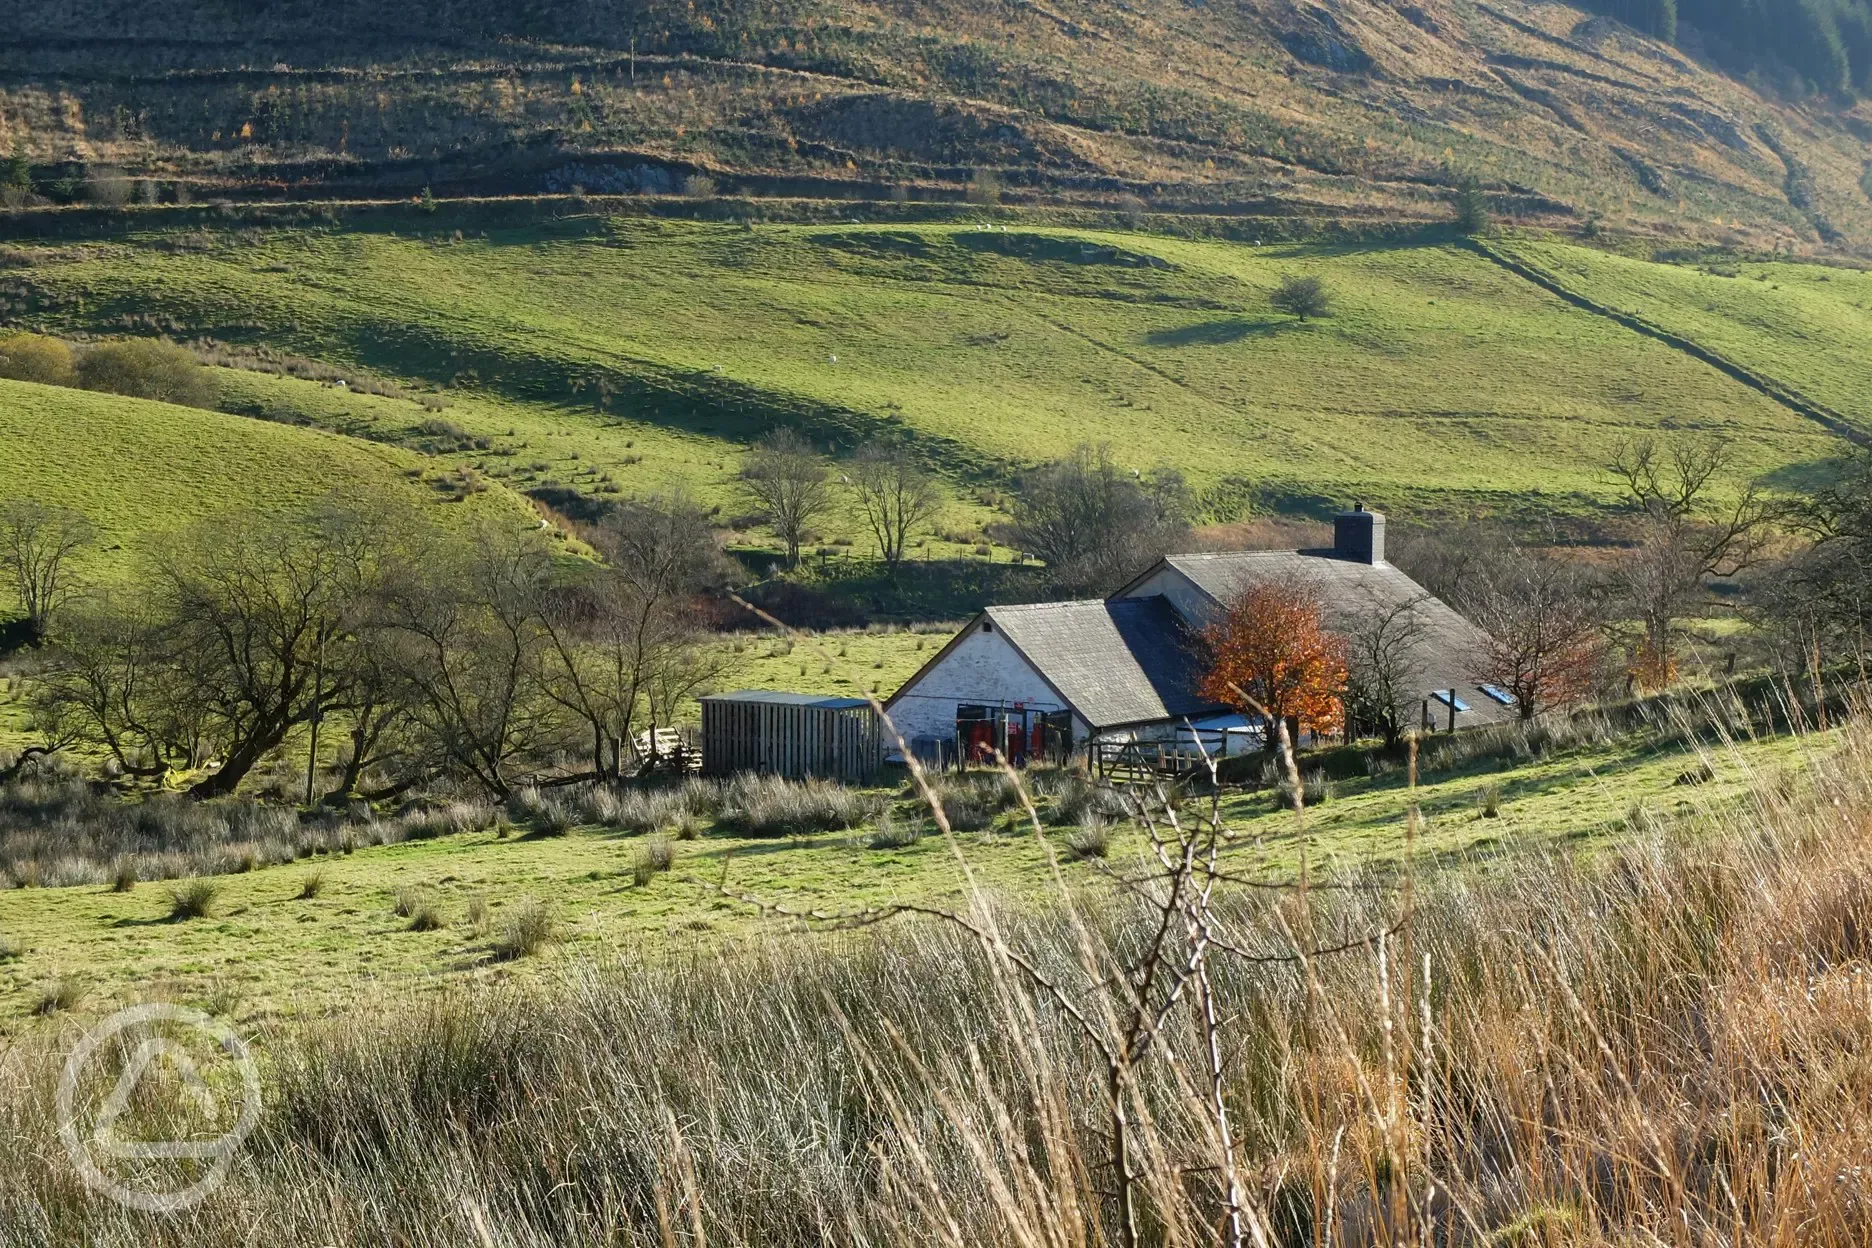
[
  {"x": 1449, "y": 647},
  {"x": 775, "y": 698},
  {"x": 1116, "y": 661}
]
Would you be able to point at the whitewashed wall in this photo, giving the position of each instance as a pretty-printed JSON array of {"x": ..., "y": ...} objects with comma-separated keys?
[{"x": 982, "y": 668}]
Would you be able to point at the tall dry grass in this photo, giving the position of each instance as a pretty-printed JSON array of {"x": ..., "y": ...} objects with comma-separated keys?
[{"x": 1661, "y": 1043}]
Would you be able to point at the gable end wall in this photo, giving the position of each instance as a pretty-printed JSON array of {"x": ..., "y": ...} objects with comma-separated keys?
[
  {"x": 983, "y": 668},
  {"x": 1195, "y": 606}
]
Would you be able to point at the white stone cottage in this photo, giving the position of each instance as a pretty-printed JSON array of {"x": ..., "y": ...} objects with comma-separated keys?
[{"x": 1049, "y": 677}]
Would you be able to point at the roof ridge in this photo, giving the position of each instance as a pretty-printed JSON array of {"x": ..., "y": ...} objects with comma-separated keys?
[{"x": 1034, "y": 606}]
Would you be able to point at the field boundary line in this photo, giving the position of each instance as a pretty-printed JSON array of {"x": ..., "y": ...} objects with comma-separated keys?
[{"x": 1787, "y": 397}]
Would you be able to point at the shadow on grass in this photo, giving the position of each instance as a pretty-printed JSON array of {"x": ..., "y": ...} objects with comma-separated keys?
[
  {"x": 1218, "y": 333},
  {"x": 772, "y": 845}
]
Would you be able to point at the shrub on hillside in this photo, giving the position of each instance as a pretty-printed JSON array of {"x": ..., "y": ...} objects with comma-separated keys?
[
  {"x": 1302, "y": 297},
  {"x": 35, "y": 357},
  {"x": 108, "y": 187},
  {"x": 145, "y": 368},
  {"x": 984, "y": 188}
]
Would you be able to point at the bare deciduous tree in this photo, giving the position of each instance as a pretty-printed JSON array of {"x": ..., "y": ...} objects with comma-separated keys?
[
  {"x": 1383, "y": 659},
  {"x": 37, "y": 544},
  {"x": 257, "y": 613},
  {"x": 896, "y": 497},
  {"x": 1093, "y": 521},
  {"x": 1684, "y": 532},
  {"x": 469, "y": 641},
  {"x": 623, "y": 645},
  {"x": 789, "y": 484},
  {"x": 1451, "y": 561},
  {"x": 1817, "y": 602},
  {"x": 113, "y": 683},
  {"x": 1542, "y": 619}
]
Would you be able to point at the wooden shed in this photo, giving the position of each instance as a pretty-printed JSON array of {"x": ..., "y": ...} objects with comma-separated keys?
[{"x": 790, "y": 734}]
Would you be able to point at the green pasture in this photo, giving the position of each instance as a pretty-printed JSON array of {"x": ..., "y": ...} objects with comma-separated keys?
[
  {"x": 139, "y": 470},
  {"x": 1806, "y": 326},
  {"x": 266, "y": 952},
  {"x": 594, "y": 351},
  {"x": 841, "y": 663}
]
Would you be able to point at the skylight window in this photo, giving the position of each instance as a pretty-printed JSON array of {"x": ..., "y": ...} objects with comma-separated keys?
[
  {"x": 1448, "y": 698},
  {"x": 1499, "y": 694}
]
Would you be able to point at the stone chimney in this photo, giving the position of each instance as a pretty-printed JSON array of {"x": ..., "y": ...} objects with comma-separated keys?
[{"x": 1358, "y": 535}]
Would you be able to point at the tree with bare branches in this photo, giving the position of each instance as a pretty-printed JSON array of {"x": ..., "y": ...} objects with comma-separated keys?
[
  {"x": 789, "y": 485},
  {"x": 470, "y": 642},
  {"x": 1094, "y": 522},
  {"x": 1541, "y": 617},
  {"x": 1383, "y": 658},
  {"x": 258, "y": 617},
  {"x": 1685, "y": 529},
  {"x": 37, "y": 546},
  {"x": 623, "y": 646},
  {"x": 894, "y": 495}
]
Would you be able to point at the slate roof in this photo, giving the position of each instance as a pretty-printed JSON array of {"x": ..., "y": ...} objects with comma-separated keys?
[
  {"x": 1115, "y": 661},
  {"x": 1349, "y": 590}
]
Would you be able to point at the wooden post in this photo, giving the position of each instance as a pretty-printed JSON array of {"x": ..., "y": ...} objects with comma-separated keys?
[{"x": 1452, "y": 710}]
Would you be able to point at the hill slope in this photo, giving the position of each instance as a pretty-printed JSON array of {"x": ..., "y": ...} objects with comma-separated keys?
[
  {"x": 610, "y": 354},
  {"x": 139, "y": 469},
  {"x": 1277, "y": 108}
]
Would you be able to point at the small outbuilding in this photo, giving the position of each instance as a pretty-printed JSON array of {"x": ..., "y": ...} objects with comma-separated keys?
[{"x": 795, "y": 735}]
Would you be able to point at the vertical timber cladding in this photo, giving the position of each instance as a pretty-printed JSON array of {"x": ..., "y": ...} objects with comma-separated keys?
[{"x": 790, "y": 734}]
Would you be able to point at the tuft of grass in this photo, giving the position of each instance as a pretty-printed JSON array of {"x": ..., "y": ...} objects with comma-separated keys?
[
  {"x": 654, "y": 857},
  {"x": 477, "y": 914},
  {"x": 11, "y": 950},
  {"x": 773, "y": 806},
  {"x": 426, "y": 916},
  {"x": 123, "y": 876},
  {"x": 193, "y": 899},
  {"x": 544, "y": 815},
  {"x": 61, "y": 994},
  {"x": 311, "y": 884},
  {"x": 894, "y": 833},
  {"x": 1091, "y": 839},
  {"x": 529, "y": 929},
  {"x": 1490, "y": 801}
]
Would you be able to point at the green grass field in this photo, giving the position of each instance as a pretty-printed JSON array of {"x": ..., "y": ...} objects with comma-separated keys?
[
  {"x": 140, "y": 470},
  {"x": 1806, "y": 326},
  {"x": 265, "y": 952},
  {"x": 842, "y": 662},
  {"x": 650, "y": 351}
]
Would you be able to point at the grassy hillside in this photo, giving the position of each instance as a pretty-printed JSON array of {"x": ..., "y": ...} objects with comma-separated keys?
[
  {"x": 1808, "y": 328},
  {"x": 139, "y": 469},
  {"x": 268, "y": 951},
  {"x": 632, "y": 354},
  {"x": 1260, "y": 109}
]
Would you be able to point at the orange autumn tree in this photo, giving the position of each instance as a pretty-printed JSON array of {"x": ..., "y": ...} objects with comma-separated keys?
[{"x": 1269, "y": 652}]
